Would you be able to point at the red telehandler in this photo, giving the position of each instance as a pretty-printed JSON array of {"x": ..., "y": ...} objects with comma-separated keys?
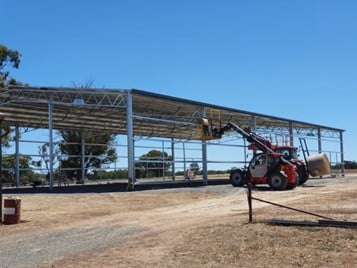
[{"x": 275, "y": 165}]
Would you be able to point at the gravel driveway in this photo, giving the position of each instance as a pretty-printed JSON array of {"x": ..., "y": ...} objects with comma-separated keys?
[
  {"x": 40, "y": 247},
  {"x": 34, "y": 248}
]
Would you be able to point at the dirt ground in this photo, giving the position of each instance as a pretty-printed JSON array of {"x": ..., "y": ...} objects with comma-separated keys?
[{"x": 186, "y": 227}]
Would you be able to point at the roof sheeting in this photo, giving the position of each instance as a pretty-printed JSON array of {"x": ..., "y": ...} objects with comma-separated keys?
[{"x": 154, "y": 115}]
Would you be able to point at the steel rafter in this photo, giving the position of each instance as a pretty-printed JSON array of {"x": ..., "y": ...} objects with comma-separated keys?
[
  {"x": 62, "y": 96},
  {"x": 149, "y": 114}
]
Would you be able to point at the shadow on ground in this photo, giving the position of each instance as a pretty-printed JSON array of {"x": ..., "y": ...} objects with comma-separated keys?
[{"x": 112, "y": 187}]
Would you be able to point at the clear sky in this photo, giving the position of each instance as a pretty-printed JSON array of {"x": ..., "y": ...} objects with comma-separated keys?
[{"x": 292, "y": 59}]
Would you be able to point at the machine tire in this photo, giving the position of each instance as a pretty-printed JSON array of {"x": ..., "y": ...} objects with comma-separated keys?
[
  {"x": 293, "y": 185},
  {"x": 238, "y": 178},
  {"x": 303, "y": 174},
  {"x": 278, "y": 181}
]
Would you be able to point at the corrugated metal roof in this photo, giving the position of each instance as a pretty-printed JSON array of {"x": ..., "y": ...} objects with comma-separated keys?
[{"x": 154, "y": 115}]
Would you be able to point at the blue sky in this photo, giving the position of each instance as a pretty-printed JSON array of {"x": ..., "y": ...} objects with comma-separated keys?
[{"x": 292, "y": 59}]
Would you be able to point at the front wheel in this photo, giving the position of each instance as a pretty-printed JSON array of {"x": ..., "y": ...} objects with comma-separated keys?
[
  {"x": 238, "y": 178},
  {"x": 278, "y": 181},
  {"x": 303, "y": 173},
  {"x": 296, "y": 182}
]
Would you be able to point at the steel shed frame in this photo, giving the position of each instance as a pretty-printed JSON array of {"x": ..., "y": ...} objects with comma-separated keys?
[{"x": 137, "y": 113}]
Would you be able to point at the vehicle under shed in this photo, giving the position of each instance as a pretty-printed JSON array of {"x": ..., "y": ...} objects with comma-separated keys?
[{"x": 141, "y": 115}]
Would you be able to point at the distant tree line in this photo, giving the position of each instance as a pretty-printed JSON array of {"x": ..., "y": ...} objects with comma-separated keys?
[
  {"x": 347, "y": 165},
  {"x": 152, "y": 164}
]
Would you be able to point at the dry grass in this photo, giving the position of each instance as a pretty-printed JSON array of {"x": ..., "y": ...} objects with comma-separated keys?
[
  {"x": 236, "y": 244},
  {"x": 202, "y": 228},
  {"x": 261, "y": 245}
]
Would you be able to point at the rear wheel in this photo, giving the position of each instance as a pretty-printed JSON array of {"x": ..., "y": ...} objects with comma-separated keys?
[
  {"x": 238, "y": 178},
  {"x": 278, "y": 181}
]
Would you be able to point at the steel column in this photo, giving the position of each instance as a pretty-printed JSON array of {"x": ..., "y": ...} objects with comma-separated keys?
[
  {"x": 204, "y": 155},
  {"x": 342, "y": 155},
  {"x": 291, "y": 133},
  {"x": 130, "y": 141},
  {"x": 184, "y": 156},
  {"x": 50, "y": 144},
  {"x": 163, "y": 158},
  {"x": 173, "y": 170},
  {"x": 319, "y": 140},
  {"x": 83, "y": 166},
  {"x": 254, "y": 129},
  {"x": 204, "y": 163},
  {"x": 17, "y": 155}
]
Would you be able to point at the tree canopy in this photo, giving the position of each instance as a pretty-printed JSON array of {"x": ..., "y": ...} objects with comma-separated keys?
[
  {"x": 8, "y": 59},
  {"x": 154, "y": 163},
  {"x": 9, "y": 163},
  {"x": 99, "y": 150}
]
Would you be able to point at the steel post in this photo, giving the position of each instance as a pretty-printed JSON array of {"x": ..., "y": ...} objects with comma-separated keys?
[
  {"x": 342, "y": 155},
  {"x": 17, "y": 155},
  {"x": 130, "y": 141},
  {"x": 173, "y": 170},
  {"x": 204, "y": 162},
  {"x": 50, "y": 130},
  {"x": 83, "y": 166}
]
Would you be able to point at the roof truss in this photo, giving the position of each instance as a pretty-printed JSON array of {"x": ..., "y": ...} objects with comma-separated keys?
[{"x": 153, "y": 115}]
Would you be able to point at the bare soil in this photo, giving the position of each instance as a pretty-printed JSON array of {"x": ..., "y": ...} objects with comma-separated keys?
[{"x": 186, "y": 227}]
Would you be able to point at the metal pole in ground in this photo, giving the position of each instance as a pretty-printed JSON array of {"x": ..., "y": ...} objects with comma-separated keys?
[{"x": 249, "y": 195}]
